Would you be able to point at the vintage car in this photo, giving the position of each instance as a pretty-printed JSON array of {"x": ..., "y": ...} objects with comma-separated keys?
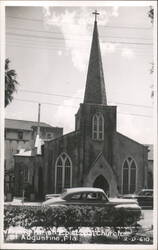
[
  {"x": 144, "y": 197},
  {"x": 95, "y": 197}
]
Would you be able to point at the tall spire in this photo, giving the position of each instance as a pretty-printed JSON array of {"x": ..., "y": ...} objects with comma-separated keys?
[{"x": 95, "y": 86}]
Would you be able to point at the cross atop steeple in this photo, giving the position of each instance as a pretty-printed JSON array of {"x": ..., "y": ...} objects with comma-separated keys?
[{"x": 95, "y": 13}]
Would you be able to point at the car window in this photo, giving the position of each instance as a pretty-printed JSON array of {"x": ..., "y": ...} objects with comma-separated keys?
[
  {"x": 83, "y": 196},
  {"x": 102, "y": 197},
  {"x": 96, "y": 196},
  {"x": 148, "y": 194},
  {"x": 91, "y": 196},
  {"x": 141, "y": 193},
  {"x": 76, "y": 196}
]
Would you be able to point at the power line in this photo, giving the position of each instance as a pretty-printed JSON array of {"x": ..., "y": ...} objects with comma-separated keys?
[
  {"x": 22, "y": 40},
  {"x": 54, "y": 49},
  {"x": 59, "y": 33},
  {"x": 67, "y": 96},
  {"x": 48, "y": 103},
  {"x": 149, "y": 116},
  {"x": 31, "y": 44},
  {"x": 45, "y": 45},
  {"x": 60, "y": 38},
  {"x": 25, "y": 18},
  {"x": 106, "y": 26},
  {"x": 134, "y": 105},
  {"x": 44, "y": 93},
  {"x": 72, "y": 106}
]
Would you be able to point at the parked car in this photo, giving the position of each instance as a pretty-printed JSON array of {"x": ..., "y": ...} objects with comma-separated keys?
[
  {"x": 95, "y": 197},
  {"x": 144, "y": 197}
]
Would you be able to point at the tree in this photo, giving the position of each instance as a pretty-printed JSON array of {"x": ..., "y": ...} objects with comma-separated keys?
[
  {"x": 151, "y": 14},
  {"x": 10, "y": 82}
]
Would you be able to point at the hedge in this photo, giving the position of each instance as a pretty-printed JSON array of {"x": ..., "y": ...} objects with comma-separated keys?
[{"x": 70, "y": 216}]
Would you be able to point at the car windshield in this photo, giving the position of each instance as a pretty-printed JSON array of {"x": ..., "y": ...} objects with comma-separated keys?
[{"x": 62, "y": 195}]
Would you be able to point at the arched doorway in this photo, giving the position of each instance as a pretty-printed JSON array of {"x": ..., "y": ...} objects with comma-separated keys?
[{"x": 101, "y": 182}]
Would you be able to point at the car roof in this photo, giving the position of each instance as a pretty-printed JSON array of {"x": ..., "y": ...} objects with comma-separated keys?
[{"x": 83, "y": 189}]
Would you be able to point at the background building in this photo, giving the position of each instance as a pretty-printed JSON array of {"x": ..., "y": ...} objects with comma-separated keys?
[{"x": 20, "y": 136}]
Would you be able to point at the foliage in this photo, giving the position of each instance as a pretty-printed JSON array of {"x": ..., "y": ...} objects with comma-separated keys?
[
  {"x": 38, "y": 222},
  {"x": 65, "y": 216},
  {"x": 151, "y": 14},
  {"x": 10, "y": 82}
]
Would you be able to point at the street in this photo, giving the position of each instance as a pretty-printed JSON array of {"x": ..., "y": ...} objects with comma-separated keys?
[{"x": 147, "y": 221}]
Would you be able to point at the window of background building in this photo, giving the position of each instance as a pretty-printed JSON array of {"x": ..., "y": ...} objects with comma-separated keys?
[
  {"x": 20, "y": 135},
  {"x": 49, "y": 136}
]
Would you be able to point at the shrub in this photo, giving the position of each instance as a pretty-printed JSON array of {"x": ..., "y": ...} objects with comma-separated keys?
[{"x": 70, "y": 216}]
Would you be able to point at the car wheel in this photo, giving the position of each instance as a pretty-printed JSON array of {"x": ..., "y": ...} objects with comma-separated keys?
[{"x": 129, "y": 221}]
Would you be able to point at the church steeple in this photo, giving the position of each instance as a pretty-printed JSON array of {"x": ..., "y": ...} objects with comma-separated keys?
[{"x": 95, "y": 86}]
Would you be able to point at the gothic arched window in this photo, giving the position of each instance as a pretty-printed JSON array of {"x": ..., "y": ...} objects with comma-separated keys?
[
  {"x": 63, "y": 173},
  {"x": 129, "y": 176},
  {"x": 98, "y": 127}
]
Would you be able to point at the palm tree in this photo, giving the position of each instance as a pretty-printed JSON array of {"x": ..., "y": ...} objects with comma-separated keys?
[{"x": 10, "y": 82}]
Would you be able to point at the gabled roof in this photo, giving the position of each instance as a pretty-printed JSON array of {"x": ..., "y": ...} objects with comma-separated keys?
[
  {"x": 149, "y": 146},
  {"x": 24, "y": 125},
  {"x": 95, "y": 86}
]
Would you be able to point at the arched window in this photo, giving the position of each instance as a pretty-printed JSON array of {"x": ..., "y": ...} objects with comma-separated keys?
[
  {"x": 63, "y": 173},
  {"x": 98, "y": 127},
  {"x": 129, "y": 176}
]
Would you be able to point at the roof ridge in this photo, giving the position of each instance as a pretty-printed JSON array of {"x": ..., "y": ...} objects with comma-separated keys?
[{"x": 25, "y": 121}]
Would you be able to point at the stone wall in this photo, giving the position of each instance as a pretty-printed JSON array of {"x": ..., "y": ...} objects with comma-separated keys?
[
  {"x": 69, "y": 144},
  {"x": 93, "y": 147}
]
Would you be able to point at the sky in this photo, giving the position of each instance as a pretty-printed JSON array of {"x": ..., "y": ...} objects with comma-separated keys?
[{"x": 49, "y": 48}]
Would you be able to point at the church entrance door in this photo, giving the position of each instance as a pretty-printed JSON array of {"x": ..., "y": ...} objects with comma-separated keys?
[{"x": 101, "y": 182}]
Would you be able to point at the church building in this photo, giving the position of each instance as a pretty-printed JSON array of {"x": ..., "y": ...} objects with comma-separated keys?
[{"x": 95, "y": 154}]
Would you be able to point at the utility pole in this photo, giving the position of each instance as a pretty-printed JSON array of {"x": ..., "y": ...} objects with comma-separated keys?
[
  {"x": 39, "y": 115},
  {"x": 37, "y": 139}
]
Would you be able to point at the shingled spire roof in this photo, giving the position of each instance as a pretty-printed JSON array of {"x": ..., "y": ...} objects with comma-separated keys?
[{"x": 95, "y": 86}]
